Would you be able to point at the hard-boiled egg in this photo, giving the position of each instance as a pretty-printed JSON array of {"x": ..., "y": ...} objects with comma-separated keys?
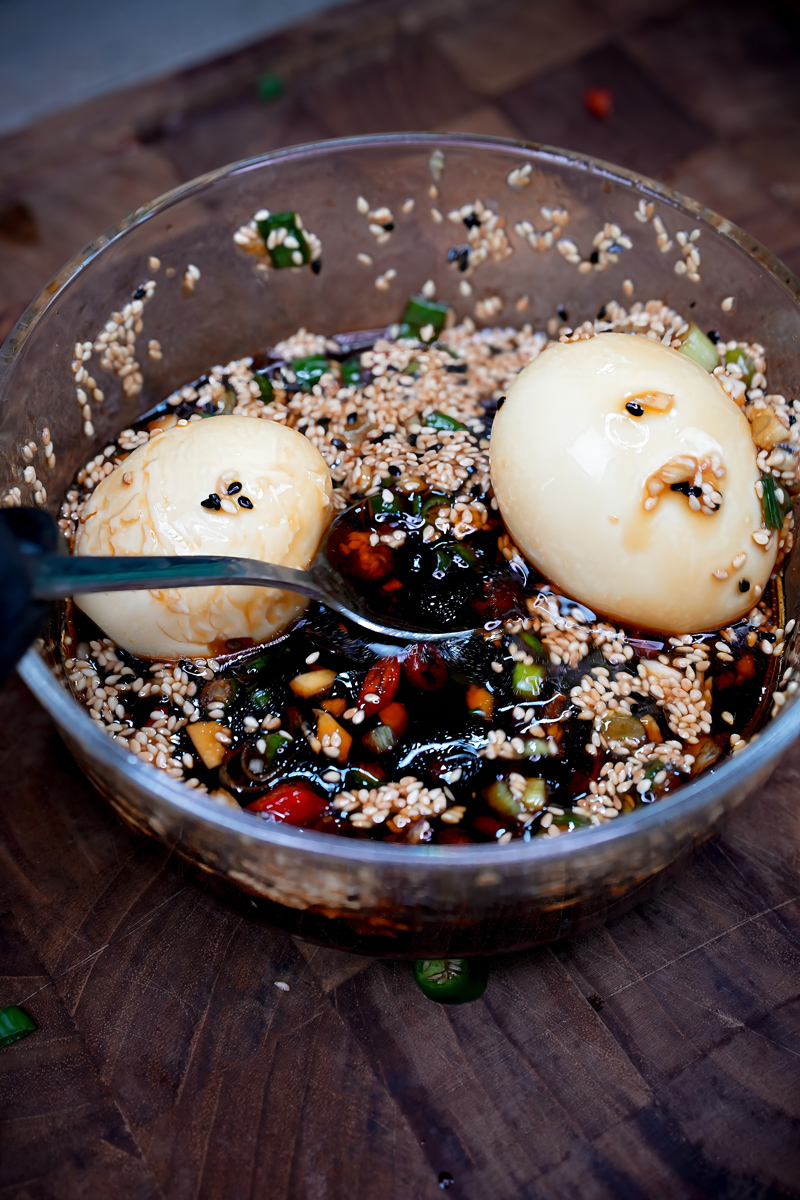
[
  {"x": 628, "y": 477},
  {"x": 225, "y": 485}
]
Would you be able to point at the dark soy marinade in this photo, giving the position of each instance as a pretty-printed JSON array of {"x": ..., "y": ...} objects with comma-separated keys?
[{"x": 509, "y": 733}]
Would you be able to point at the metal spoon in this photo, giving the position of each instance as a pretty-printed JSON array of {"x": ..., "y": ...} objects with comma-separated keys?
[{"x": 53, "y": 576}]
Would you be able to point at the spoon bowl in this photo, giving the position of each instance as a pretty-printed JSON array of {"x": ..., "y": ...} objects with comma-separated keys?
[{"x": 53, "y": 575}]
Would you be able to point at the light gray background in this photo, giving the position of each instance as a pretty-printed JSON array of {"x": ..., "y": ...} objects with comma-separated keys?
[{"x": 57, "y": 53}]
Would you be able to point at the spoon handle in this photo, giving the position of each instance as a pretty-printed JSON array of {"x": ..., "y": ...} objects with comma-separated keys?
[{"x": 56, "y": 576}]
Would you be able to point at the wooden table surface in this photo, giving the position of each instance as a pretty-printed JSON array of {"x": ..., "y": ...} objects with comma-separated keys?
[{"x": 656, "y": 1057}]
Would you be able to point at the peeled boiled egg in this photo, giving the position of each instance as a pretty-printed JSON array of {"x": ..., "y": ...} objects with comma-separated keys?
[
  {"x": 628, "y": 477},
  {"x": 225, "y": 485}
]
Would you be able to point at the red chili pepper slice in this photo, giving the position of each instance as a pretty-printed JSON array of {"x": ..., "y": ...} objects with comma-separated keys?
[
  {"x": 292, "y": 803},
  {"x": 424, "y": 667},
  {"x": 599, "y": 102},
  {"x": 382, "y": 681}
]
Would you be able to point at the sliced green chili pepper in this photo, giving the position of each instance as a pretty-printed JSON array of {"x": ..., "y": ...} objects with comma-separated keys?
[
  {"x": 435, "y": 500},
  {"x": 697, "y": 346},
  {"x": 293, "y": 250},
  {"x": 447, "y": 551},
  {"x": 310, "y": 370},
  {"x": 361, "y": 778},
  {"x": 536, "y": 646},
  {"x": 14, "y": 1024},
  {"x": 744, "y": 362},
  {"x": 439, "y": 420},
  {"x": 260, "y": 699},
  {"x": 264, "y": 386},
  {"x": 452, "y": 980},
  {"x": 420, "y": 312},
  {"x": 527, "y": 680},
  {"x": 351, "y": 372},
  {"x": 773, "y": 512},
  {"x": 381, "y": 504},
  {"x": 571, "y": 820}
]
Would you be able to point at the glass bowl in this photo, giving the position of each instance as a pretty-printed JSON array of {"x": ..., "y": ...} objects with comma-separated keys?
[{"x": 383, "y": 899}]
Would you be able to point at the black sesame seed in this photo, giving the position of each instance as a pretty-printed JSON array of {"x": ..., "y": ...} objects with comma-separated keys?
[
  {"x": 713, "y": 336},
  {"x": 437, "y": 447},
  {"x": 243, "y": 502},
  {"x": 693, "y": 304},
  {"x": 393, "y": 470},
  {"x": 471, "y": 221},
  {"x": 562, "y": 312},
  {"x": 792, "y": 420},
  {"x": 352, "y": 417},
  {"x": 594, "y": 257},
  {"x": 744, "y": 585},
  {"x": 686, "y": 489},
  {"x": 324, "y": 422},
  {"x": 212, "y": 501},
  {"x": 139, "y": 294},
  {"x": 634, "y": 409},
  {"x": 316, "y": 266},
  {"x": 339, "y": 444},
  {"x": 500, "y": 403},
  {"x": 388, "y": 226},
  {"x": 458, "y": 368},
  {"x": 601, "y": 314},
  {"x": 412, "y": 439},
  {"x": 233, "y": 488},
  {"x": 460, "y": 255}
]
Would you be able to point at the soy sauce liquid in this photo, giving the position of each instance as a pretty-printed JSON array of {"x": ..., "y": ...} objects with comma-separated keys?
[{"x": 442, "y": 585}]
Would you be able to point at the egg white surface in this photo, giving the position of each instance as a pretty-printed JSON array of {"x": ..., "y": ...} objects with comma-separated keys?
[
  {"x": 152, "y": 504},
  {"x": 570, "y": 465}
]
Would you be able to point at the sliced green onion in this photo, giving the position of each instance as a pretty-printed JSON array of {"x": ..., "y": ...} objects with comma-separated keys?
[
  {"x": 451, "y": 980},
  {"x": 527, "y": 680},
  {"x": 499, "y": 796},
  {"x": 281, "y": 254},
  {"x": 264, "y": 386},
  {"x": 380, "y": 740},
  {"x": 412, "y": 368},
  {"x": 14, "y": 1024},
  {"x": 773, "y": 512},
  {"x": 744, "y": 362},
  {"x": 421, "y": 312},
  {"x": 697, "y": 346},
  {"x": 308, "y": 371},
  {"x": 439, "y": 420}
]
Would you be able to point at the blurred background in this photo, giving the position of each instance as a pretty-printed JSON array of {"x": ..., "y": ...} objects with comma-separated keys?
[{"x": 103, "y": 106}]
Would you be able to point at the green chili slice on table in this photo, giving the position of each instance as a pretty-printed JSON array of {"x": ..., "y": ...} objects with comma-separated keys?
[
  {"x": 451, "y": 980},
  {"x": 14, "y": 1024}
]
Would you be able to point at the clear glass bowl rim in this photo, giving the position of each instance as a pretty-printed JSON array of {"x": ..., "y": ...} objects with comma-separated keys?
[{"x": 702, "y": 793}]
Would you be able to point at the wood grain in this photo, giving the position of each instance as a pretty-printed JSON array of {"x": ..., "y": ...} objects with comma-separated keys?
[{"x": 658, "y": 1056}]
